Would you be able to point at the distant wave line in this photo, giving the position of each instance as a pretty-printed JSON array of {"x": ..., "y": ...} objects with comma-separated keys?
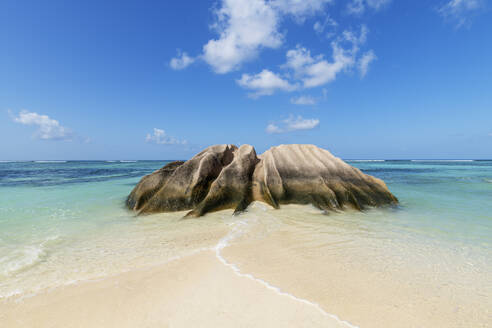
[
  {"x": 366, "y": 160},
  {"x": 50, "y": 161},
  {"x": 443, "y": 160},
  {"x": 15, "y": 161}
]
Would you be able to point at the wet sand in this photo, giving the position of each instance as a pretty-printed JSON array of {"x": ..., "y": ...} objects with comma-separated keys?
[
  {"x": 196, "y": 291},
  {"x": 365, "y": 294}
]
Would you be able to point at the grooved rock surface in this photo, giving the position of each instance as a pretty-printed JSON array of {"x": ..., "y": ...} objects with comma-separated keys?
[{"x": 224, "y": 176}]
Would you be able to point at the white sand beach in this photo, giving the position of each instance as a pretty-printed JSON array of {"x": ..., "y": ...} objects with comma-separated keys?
[{"x": 267, "y": 270}]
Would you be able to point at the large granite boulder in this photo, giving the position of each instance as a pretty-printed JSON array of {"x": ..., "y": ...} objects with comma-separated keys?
[
  {"x": 306, "y": 174},
  {"x": 224, "y": 176}
]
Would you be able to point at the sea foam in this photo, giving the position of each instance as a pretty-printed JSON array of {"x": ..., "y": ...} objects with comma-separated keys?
[{"x": 21, "y": 259}]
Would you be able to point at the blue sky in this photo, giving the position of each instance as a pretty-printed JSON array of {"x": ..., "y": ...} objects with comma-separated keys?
[{"x": 163, "y": 79}]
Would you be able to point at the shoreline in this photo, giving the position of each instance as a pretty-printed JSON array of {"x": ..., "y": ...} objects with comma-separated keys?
[{"x": 131, "y": 299}]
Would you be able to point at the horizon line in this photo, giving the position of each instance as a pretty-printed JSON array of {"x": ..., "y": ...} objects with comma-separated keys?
[{"x": 155, "y": 160}]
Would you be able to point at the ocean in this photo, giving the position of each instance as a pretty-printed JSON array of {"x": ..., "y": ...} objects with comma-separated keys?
[{"x": 64, "y": 222}]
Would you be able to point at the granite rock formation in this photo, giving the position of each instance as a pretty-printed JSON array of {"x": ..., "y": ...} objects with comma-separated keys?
[{"x": 225, "y": 176}]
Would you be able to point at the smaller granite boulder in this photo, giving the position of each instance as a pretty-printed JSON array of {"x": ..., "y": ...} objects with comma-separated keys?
[{"x": 182, "y": 186}]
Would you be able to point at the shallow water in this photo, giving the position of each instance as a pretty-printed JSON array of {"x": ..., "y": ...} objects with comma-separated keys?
[{"x": 63, "y": 222}]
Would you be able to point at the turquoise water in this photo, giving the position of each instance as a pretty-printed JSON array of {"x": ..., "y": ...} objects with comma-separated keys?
[
  {"x": 448, "y": 200},
  {"x": 61, "y": 222}
]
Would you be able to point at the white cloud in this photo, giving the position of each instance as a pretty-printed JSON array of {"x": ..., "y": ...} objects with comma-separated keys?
[
  {"x": 299, "y": 58},
  {"x": 303, "y": 100},
  {"x": 48, "y": 128},
  {"x": 317, "y": 71},
  {"x": 264, "y": 83},
  {"x": 181, "y": 61},
  {"x": 160, "y": 137},
  {"x": 272, "y": 128},
  {"x": 353, "y": 39},
  {"x": 244, "y": 26},
  {"x": 247, "y": 26},
  {"x": 461, "y": 11},
  {"x": 292, "y": 123},
  {"x": 300, "y": 9},
  {"x": 364, "y": 62},
  {"x": 377, "y": 4},
  {"x": 310, "y": 71},
  {"x": 318, "y": 27},
  {"x": 358, "y": 7},
  {"x": 322, "y": 71}
]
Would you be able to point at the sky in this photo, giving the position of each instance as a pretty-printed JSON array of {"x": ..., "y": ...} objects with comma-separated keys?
[{"x": 365, "y": 79}]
